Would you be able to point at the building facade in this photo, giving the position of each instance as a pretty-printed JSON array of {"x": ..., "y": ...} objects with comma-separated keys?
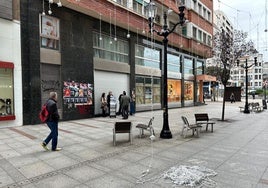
[
  {"x": 10, "y": 64},
  {"x": 84, "y": 48},
  {"x": 255, "y": 74}
]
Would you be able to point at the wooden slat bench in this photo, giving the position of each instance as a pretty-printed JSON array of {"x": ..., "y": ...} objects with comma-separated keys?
[
  {"x": 202, "y": 118},
  {"x": 186, "y": 127},
  {"x": 122, "y": 127},
  {"x": 147, "y": 127}
]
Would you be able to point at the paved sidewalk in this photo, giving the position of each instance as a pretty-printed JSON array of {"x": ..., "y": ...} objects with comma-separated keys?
[{"x": 237, "y": 151}]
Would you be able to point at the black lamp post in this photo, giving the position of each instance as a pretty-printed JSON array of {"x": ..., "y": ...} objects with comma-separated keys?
[
  {"x": 151, "y": 13},
  {"x": 246, "y": 67}
]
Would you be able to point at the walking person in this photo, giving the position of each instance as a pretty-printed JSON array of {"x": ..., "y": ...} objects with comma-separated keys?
[
  {"x": 125, "y": 100},
  {"x": 232, "y": 98},
  {"x": 103, "y": 104},
  {"x": 52, "y": 122}
]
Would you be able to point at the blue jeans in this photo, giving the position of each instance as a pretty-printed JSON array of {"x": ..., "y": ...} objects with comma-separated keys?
[{"x": 53, "y": 134}]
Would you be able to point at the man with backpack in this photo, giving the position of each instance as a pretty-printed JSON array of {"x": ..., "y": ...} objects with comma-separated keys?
[{"x": 52, "y": 122}]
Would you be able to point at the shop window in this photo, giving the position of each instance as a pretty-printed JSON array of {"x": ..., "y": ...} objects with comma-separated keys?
[
  {"x": 49, "y": 32},
  {"x": 7, "y": 91},
  {"x": 174, "y": 90},
  {"x": 147, "y": 90},
  {"x": 188, "y": 90}
]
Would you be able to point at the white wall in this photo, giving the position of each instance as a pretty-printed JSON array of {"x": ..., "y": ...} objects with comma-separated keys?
[
  {"x": 109, "y": 81},
  {"x": 10, "y": 51}
]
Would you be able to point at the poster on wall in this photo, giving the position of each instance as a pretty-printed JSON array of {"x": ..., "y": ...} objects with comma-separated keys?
[
  {"x": 49, "y": 32},
  {"x": 77, "y": 93}
]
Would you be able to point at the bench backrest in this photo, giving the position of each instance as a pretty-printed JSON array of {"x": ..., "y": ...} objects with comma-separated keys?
[
  {"x": 122, "y": 127},
  {"x": 150, "y": 122},
  {"x": 201, "y": 117},
  {"x": 185, "y": 121}
]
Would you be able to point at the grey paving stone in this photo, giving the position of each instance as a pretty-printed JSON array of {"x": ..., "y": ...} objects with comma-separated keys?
[{"x": 58, "y": 181}]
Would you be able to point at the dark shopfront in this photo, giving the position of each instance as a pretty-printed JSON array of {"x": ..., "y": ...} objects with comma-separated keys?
[
  {"x": 64, "y": 62},
  {"x": 61, "y": 61}
]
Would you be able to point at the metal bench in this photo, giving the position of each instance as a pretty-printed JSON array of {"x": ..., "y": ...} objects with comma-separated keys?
[
  {"x": 147, "y": 127},
  {"x": 186, "y": 127},
  {"x": 202, "y": 118},
  {"x": 122, "y": 127}
]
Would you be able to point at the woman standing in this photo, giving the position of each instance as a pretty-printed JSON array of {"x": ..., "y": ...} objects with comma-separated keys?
[{"x": 103, "y": 104}]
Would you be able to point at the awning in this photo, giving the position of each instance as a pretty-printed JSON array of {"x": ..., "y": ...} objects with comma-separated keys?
[{"x": 205, "y": 77}]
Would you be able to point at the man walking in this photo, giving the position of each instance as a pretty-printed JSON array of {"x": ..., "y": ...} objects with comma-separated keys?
[
  {"x": 125, "y": 104},
  {"x": 52, "y": 122}
]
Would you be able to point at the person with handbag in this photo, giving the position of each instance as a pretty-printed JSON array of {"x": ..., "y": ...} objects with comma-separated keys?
[{"x": 103, "y": 104}]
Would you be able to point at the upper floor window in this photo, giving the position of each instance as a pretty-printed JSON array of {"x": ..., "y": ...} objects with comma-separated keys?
[
  {"x": 147, "y": 57},
  {"x": 107, "y": 48},
  {"x": 188, "y": 66},
  {"x": 173, "y": 64},
  {"x": 199, "y": 67},
  {"x": 49, "y": 32}
]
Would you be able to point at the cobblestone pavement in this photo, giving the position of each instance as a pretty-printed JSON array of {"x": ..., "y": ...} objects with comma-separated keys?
[{"x": 237, "y": 151}]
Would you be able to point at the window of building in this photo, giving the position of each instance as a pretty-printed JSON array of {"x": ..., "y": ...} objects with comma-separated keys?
[
  {"x": 260, "y": 77},
  {"x": 209, "y": 40},
  {"x": 173, "y": 63},
  {"x": 147, "y": 57},
  {"x": 199, "y": 36},
  {"x": 49, "y": 32},
  {"x": 184, "y": 30},
  {"x": 204, "y": 38},
  {"x": 7, "y": 91},
  {"x": 256, "y": 77},
  {"x": 199, "y": 67},
  {"x": 188, "y": 66},
  {"x": 174, "y": 90},
  {"x": 109, "y": 49},
  {"x": 259, "y": 70},
  {"x": 188, "y": 90},
  {"x": 194, "y": 32},
  {"x": 137, "y": 6},
  {"x": 147, "y": 90},
  {"x": 122, "y": 2}
]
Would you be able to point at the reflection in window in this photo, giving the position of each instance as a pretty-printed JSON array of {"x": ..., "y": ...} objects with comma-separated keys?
[
  {"x": 173, "y": 64},
  {"x": 188, "y": 90},
  {"x": 199, "y": 67},
  {"x": 174, "y": 90},
  {"x": 109, "y": 49},
  {"x": 188, "y": 66},
  {"x": 147, "y": 90},
  {"x": 147, "y": 57}
]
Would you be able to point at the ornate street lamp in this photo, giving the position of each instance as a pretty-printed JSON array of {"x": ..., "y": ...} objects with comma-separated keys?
[
  {"x": 165, "y": 31},
  {"x": 246, "y": 67}
]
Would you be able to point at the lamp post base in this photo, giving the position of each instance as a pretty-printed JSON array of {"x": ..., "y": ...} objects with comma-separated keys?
[{"x": 166, "y": 134}]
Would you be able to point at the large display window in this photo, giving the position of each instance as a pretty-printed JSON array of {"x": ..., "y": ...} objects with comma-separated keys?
[
  {"x": 7, "y": 91},
  {"x": 147, "y": 90},
  {"x": 174, "y": 90},
  {"x": 188, "y": 90}
]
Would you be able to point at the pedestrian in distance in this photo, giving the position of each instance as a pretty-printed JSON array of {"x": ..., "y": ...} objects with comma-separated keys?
[
  {"x": 120, "y": 105},
  {"x": 52, "y": 122},
  {"x": 103, "y": 105},
  {"x": 125, "y": 100},
  {"x": 132, "y": 103},
  {"x": 232, "y": 98},
  {"x": 108, "y": 101}
]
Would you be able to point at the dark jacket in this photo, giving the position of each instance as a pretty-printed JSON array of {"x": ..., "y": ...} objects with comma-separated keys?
[{"x": 53, "y": 110}]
